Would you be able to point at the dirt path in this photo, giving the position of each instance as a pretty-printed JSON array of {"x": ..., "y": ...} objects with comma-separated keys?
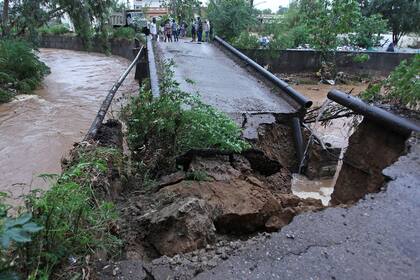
[{"x": 38, "y": 130}]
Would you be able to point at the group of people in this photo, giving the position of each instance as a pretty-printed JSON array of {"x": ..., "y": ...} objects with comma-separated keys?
[
  {"x": 171, "y": 31},
  {"x": 198, "y": 27}
]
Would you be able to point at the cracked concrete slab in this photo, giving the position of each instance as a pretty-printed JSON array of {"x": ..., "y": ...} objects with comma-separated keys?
[{"x": 378, "y": 238}]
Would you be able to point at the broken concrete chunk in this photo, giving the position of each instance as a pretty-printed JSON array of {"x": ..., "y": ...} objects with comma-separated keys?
[{"x": 180, "y": 227}]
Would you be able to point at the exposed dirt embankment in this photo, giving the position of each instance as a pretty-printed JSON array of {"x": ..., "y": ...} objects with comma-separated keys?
[
  {"x": 216, "y": 194},
  {"x": 371, "y": 149}
]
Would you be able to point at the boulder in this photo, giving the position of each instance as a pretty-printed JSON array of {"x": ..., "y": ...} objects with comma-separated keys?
[{"x": 182, "y": 226}]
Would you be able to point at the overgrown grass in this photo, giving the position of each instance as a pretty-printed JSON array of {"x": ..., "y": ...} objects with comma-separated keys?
[
  {"x": 20, "y": 69},
  {"x": 124, "y": 33},
  {"x": 74, "y": 222},
  {"x": 402, "y": 87},
  {"x": 56, "y": 29}
]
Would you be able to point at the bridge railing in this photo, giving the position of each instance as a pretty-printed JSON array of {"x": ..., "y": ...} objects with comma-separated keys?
[
  {"x": 100, "y": 116},
  {"x": 153, "y": 75},
  {"x": 380, "y": 116},
  {"x": 285, "y": 87}
]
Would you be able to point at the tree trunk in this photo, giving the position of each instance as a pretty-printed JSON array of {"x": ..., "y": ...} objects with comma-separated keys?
[
  {"x": 396, "y": 36},
  {"x": 5, "y": 27}
]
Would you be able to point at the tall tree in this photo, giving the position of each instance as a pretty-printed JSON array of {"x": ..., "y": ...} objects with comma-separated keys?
[
  {"x": 182, "y": 9},
  {"x": 27, "y": 15},
  {"x": 5, "y": 18},
  {"x": 230, "y": 17},
  {"x": 403, "y": 15}
]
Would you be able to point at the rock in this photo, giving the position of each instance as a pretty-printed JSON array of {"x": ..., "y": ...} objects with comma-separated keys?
[
  {"x": 238, "y": 206},
  {"x": 322, "y": 163},
  {"x": 217, "y": 167},
  {"x": 171, "y": 179},
  {"x": 276, "y": 141},
  {"x": 242, "y": 164},
  {"x": 253, "y": 121},
  {"x": 279, "y": 220},
  {"x": 182, "y": 226},
  {"x": 129, "y": 270}
]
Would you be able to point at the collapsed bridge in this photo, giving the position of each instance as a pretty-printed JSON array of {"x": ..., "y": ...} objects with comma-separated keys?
[{"x": 183, "y": 215}]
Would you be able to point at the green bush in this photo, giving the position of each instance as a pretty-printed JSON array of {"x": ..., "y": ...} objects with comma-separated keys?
[
  {"x": 246, "y": 41},
  {"x": 230, "y": 17},
  {"x": 177, "y": 121},
  {"x": 124, "y": 33},
  {"x": 56, "y": 29},
  {"x": 360, "y": 58},
  {"x": 70, "y": 220},
  {"x": 402, "y": 87},
  {"x": 404, "y": 83},
  {"x": 20, "y": 69}
]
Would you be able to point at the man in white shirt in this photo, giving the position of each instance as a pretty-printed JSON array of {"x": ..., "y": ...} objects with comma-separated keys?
[{"x": 153, "y": 29}]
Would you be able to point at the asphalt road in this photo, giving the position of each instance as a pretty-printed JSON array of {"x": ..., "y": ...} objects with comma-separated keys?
[
  {"x": 220, "y": 81},
  {"x": 378, "y": 238}
]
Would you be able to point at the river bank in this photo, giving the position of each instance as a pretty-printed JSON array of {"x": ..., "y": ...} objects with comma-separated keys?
[{"x": 38, "y": 130}]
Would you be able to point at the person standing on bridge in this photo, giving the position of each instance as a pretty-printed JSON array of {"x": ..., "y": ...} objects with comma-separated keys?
[
  {"x": 199, "y": 30},
  {"x": 168, "y": 31},
  {"x": 162, "y": 36},
  {"x": 175, "y": 30},
  {"x": 153, "y": 29},
  {"x": 207, "y": 30},
  {"x": 193, "y": 30},
  {"x": 182, "y": 29}
]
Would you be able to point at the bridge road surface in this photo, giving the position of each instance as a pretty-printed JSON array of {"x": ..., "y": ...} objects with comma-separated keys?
[{"x": 219, "y": 80}]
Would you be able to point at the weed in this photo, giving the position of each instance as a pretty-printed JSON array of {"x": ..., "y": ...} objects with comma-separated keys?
[
  {"x": 197, "y": 175},
  {"x": 69, "y": 220},
  {"x": 402, "y": 87},
  {"x": 56, "y": 29},
  {"x": 372, "y": 92},
  {"x": 360, "y": 58},
  {"x": 189, "y": 81},
  {"x": 124, "y": 33},
  {"x": 404, "y": 83}
]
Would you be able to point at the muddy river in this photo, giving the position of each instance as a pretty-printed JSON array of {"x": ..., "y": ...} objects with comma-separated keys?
[{"x": 36, "y": 131}]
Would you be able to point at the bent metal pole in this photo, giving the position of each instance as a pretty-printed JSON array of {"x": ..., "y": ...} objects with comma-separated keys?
[
  {"x": 376, "y": 114},
  {"x": 107, "y": 102},
  {"x": 285, "y": 87}
]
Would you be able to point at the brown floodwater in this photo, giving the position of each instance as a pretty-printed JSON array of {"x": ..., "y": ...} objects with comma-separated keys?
[
  {"x": 336, "y": 134},
  {"x": 317, "y": 92},
  {"x": 36, "y": 131}
]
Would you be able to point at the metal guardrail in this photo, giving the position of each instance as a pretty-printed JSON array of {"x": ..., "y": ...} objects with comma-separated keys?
[
  {"x": 100, "y": 116},
  {"x": 371, "y": 112},
  {"x": 295, "y": 95},
  {"x": 154, "y": 80}
]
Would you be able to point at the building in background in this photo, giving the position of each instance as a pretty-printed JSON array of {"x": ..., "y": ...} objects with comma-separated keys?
[{"x": 139, "y": 4}]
